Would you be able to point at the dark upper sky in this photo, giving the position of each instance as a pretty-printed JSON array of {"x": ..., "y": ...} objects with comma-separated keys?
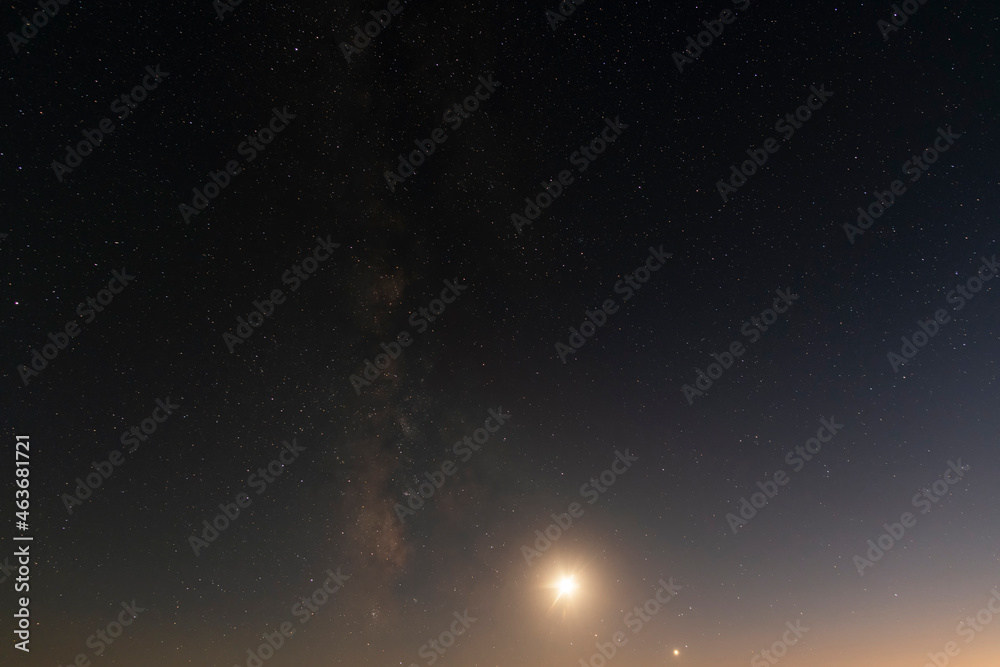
[{"x": 491, "y": 376}]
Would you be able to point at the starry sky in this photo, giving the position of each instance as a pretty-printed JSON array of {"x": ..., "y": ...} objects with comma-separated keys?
[{"x": 584, "y": 385}]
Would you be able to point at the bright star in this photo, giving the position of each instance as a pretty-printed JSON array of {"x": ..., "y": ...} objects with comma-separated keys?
[{"x": 566, "y": 586}]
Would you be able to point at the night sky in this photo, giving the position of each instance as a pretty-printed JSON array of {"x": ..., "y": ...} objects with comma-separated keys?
[{"x": 627, "y": 334}]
